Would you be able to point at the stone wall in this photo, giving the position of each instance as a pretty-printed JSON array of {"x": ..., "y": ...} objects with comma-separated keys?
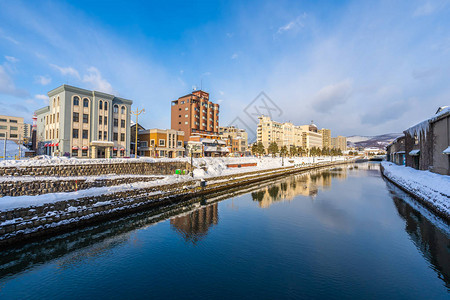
[{"x": 132, "y": 168}]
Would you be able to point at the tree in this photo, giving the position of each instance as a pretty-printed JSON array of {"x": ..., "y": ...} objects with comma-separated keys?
[
  {"x": 293, "y": 150},
  {"x": 283, "y": 151},
  {"x": 273, "y": 148},
  {"x": 261, "y": 149},
  {"x": 255, "y": 149}
]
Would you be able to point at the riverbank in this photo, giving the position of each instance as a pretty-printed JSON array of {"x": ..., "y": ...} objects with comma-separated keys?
[
  {"x": 432, "y": 190},
  {"x": 28, "y": 217}
]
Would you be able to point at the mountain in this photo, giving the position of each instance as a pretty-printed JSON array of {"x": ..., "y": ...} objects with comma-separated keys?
[{"x": 378, "y": 141}]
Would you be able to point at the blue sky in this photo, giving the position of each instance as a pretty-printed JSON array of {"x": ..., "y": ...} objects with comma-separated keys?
[{"x": 357, "y": 67}]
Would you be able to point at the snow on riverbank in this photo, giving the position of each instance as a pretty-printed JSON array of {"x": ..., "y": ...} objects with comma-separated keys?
[
  {"x": 432, "y": 188},
  {"x": 12, "y": 150}
]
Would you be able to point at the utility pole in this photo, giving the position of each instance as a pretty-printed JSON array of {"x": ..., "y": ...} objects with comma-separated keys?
[
  {"x": 4, "y": 148},
  {"x": 137, "y": 113}
]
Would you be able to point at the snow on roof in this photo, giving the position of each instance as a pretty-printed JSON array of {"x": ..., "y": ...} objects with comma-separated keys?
[
  {"x": 414, "y": 152},
  {"x": 447, "y": 151},
  {"x": 423, "y": 126}
]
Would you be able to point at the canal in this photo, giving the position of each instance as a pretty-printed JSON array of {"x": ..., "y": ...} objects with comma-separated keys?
[{"x": 332, "y": 233}]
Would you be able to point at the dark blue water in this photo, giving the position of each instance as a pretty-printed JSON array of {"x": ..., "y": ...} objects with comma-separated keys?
[{"x": 342, "y": 233}]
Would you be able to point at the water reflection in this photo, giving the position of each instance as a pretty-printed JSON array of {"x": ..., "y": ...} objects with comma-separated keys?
[
  {"x": 433, "y": 240},
  {"x": 194, "y": 226},
  {"x": 307, "y": 184}
]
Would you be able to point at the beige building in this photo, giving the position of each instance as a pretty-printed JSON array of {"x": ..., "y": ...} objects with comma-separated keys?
[
  {"x": 161, "y": 143},
  {"x": 237, "y": 138},
  {"x": 326, "y": 137},
  {"x": 339, "y": 142},
  {"x": 83, "y": 123},
  {"x": 287, "y": 134},
  {"x": 11, "y": 128}
]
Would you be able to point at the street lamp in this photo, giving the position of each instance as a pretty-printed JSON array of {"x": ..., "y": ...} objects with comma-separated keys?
[{"x": 137, "y": 113}]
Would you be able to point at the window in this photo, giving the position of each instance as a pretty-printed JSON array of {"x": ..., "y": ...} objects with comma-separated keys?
[
  {"x": 76, "y": 117},
  {"x": 100, "y": 105},
  {"x": 185, "y": 123},
  {"x": 3, "y": 127},
  {"x": 57, "y": 133},
  {"x": 115, "y": 136},
  {"x": 185, "y": 116},
  {"x": 152, "y": 142},
  {"x": 143, "y": 144},
  {"x": 2, "y": 120},
  {"x": 75, "y": 133},
  {"x": 116, "y": 122},
  {"x": 161, "y": 153},
  {"x": 76, "y": 101},
  {"x": 416, "y": 139},
  {"x": 74, "y": 152},
  {"x": 100, "y": 120},
  {"x": 57, "y": 117},
  {"x": 186, "y": 108},
  {"x": 179, "y": 116},
  {"x": 100, "y": 135},
  {"x": 123, "y": 110},
  {"x": 13, "y": 128},
  {"x": 106, "y": 120},
  {"x": 122, "y": 123},
  {"x": 105, "y": 135},
  {"x": 85, "y": 118},
  {"x": 106, "y": 105},
  {"x": 122, "y": 137},
  {"x": 12, "y": 121},
  {"x": 2, "y": 135},
  {"x": 116, "y": 109},
  {"x": 85, "y": 134},
  {"x": 162, "y": 142},
  {"x": 85, "y": 102},
  {"x": 13, "y": 135},
  {"x": 180, "y": 144},
  {"x": 84, "y": 152}
]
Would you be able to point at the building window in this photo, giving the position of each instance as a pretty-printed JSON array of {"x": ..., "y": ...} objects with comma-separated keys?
[
  {"x": 12, "y": 121},
  {"x": 3, "y": 120},
  {"x": 116, "y": 109},
  {"x": 123, "y": 110},
  {"x": 13, "y": 135},
  {"x": 105, "y": 135},
  {"x": 416, "y": 139},
  {"x": 143, "y": 144},
  {"x": 85, "y": 102},
  {"x": 180, "y": 143},
  {"x": 162, "y": 142},
  {"x": 185, "y": 116},
  {"x": 100, "y": 120},
  {"x": 122, "y": 123},
  {"x": 161, "y": 153},
  {"x": 115, "y": 136},
  {"x": 3, "y": 127},
  {"x": 187, "y": 108},
  {"x": 85, "y": 118},
  {"x": 84, "y": 152},
  {"x": 76, "y": 101},
  {"x": 74, "y": 152},
  {"x": 106, "y": 120},
  {"x": 152, "y": 142},
  {"x": 76, "y": 117},
  {"x": 185, "y": 123},
  {"x": 100, "y": 134},
  {"x": 106, "y": 105},
  {"x": 75, "y": 133},
  {"x": 116, "y": 122},
  {"x": 100, "y": 105},
  {"x": 122, "y": 137},
  {"x": 13, "y": 128},
  {"x": 57, "y": 117},
  {"x": 57, "y": 133},
  {"x": 85, "y": 134}
]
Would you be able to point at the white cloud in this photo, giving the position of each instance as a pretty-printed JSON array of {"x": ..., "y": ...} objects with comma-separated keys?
[
  {"x": 295, "y": 24},
  {"x": 42, "y": 97},
  {"x": 332, "y": 95},
  {"x": 424, "y": 10},
  {"x": 66, "y": 70},
  {"x": 44, "y": 80},
  {"x": 7, "y": 85},
  {"x": 96, "y": 81},
  {"x": 11, "y": 59},
  {"x": 234, "y": 56}
]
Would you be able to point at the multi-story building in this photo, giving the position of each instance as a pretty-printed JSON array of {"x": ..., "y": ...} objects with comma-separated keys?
[
  {"x": 196, "y": 115},
  {"x": 326, "y": 137},
  {"x": 83, "y": 123},
  {"x": 339, "y": 142},
  {"x": 161, "y": 143},
  {"x": 11, "y": 128},
  {"x": 287, "y": 134},
  {"x": 237, "y": 138},
  {"x": 27, "y": 130}
]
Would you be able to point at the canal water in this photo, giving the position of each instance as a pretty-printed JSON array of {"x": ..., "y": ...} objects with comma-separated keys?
[{"x": 333, "y": 233}]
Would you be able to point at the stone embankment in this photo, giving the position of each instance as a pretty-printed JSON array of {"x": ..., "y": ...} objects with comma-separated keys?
[{"x": 20, "y": 224}]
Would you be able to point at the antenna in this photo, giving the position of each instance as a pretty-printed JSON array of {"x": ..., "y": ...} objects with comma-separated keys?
[{"x": 201, "y": 84}]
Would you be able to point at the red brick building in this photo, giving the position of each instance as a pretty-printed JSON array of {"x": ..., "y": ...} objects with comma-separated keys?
[{"x": 195, "y": 115}]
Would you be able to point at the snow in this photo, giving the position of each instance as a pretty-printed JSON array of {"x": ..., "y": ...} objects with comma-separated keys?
[
  {"x": 447, "y": 151},
  {"x": 432, "y": 188},
  {"x": 12, "y": 149},
  {"x": 414, "y": 152},
  {"x": 356, "y": 138}
]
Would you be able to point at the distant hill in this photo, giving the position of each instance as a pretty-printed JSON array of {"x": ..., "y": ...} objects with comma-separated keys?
[{"x": 378, "y": 141}]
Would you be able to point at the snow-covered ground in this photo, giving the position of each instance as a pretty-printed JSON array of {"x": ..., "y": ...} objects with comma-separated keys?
[
  {"x": 430, "y": 187},
  {"x": 12, "y": 149}
]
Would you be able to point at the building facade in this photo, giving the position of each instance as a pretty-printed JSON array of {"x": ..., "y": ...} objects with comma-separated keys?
[
  {"x": 339, "y": 142},
  {"x": 196, "y": 115},
  {"x": 161, "y": 143},
  {"x": 83, "y": 123},
  {"x": 326, "y": 138},
  {"x": 11, "y": 128},
  {"x": 311, "y": 138},
  {"x": 395, "y": 151},
  {"x": 236, "y": 138}
]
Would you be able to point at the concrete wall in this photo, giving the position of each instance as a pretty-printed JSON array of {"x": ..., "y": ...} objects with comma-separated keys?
[{"x": 441, "y": 140}]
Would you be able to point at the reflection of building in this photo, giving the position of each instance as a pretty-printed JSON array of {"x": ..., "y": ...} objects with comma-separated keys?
[
  {"x": 11, "y": 128},
  {"x": 194, "y": 226},
  {"x": 430, "y": 240},
  {"x": 82, "y": 123}
]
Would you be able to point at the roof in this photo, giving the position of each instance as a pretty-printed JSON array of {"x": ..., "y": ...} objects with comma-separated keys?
[{"x": 423, "y": 126}]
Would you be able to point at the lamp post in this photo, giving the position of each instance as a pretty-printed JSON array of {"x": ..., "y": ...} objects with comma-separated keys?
[{"x": 137, "y": 113}]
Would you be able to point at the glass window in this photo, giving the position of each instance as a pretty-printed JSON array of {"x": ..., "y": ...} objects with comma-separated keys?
[
  {"x": 74, "y": 152},
  {"x": 105, "y": 135},
  {"x": 116, "y": 109},
  {"x": 122, "y": 123},
  {"x": 3, "y": 120},
  {"x": 162, "y": 142},
  {"x": 116, "y": 122},
  {"x": 12, "y": 121},
  {"x": 2, "y": 135},
  {"x": 84, "y": 152},
  {"x": 100, "y": 120},
  {"x": 76, "y": 101},
  {"x": 85, "y": 102},
  {"x": 13, "y": 128},
  {"x": 75, "y": 133},
  {"x": 76, "y": 117},
  {"x": 122, "y": 137},
  {"x": 100, "y": 135},
  {"x": 100, "y": 105},
  {"x": 123, "y": 110},
  {"x": 3, "y": 127},
  {"x": 106, "y": 120},
  {"x": 85, "y": 118},
  {"x": 85, "y": 134},
  {"x": 106, "y": 105},
  {"x": 115, "y": 136},
  {"x": 13, "y": 135}
]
